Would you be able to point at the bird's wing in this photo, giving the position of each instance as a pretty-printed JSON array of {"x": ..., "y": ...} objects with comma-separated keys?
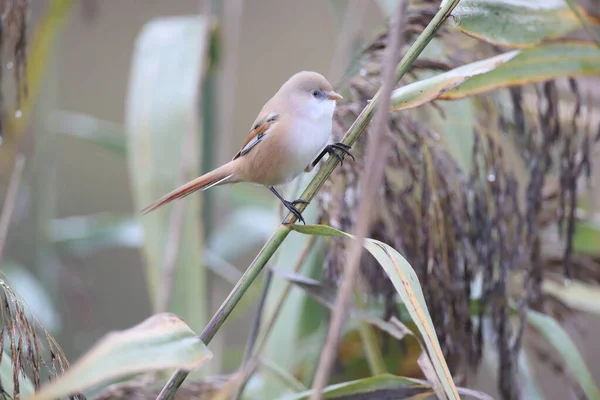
[{"x": 261, "y": 127}]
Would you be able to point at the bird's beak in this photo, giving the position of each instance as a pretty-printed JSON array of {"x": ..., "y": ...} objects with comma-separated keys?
[{"x": 334, "y": 96}]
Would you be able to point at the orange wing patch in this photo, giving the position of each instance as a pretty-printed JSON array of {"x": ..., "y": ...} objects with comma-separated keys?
[{"x": 258, "y": 132}]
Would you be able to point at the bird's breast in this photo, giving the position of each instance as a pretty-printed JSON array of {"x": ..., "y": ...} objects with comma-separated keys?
[{"x": 307, "y": 140}]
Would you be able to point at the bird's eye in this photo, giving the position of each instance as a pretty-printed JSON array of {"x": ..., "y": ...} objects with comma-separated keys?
[{"x": 315, "y": 93}]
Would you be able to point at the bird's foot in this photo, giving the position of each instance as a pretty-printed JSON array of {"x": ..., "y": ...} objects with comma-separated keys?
[
  {"x": 291, "y": 206},
  {"x": 339, "y": 150}
]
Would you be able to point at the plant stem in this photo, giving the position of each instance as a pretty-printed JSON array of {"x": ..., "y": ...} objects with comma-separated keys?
[
  {"x": 254, "y": 330},
  {"x": 372, "y": 350},
  {"x": 311, "y": 190},
  {"x": 284, "y": 296},
  {"x": 288, "y": 379},
  {"x": 280, "y": 303},
  {"x": 370, "y": 344}
]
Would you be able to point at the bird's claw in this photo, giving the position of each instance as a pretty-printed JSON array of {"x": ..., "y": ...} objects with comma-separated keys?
[
  {"x": 343, "y": 148},
  {"x": 291, "y": 206}
]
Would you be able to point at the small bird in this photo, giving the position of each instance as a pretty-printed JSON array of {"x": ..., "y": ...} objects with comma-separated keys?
[{"x": 290, "y": 135}]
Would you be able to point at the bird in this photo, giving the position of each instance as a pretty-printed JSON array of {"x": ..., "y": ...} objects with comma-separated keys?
[{"x": 290, "y": 135}]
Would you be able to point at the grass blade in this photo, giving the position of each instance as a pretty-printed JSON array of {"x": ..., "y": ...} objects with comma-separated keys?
[
  {"x": 162, "y": 123},
  {"x": 542, "y": 63},
  {"x": 379, "y": 385},
  {"x": 407, "y": 285},
  {"x": 417, "y": 93},
  {"x": 562, "y": 343}
]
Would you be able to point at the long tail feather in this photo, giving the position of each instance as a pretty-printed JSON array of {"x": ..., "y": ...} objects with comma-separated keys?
[{"x": 218, "y": 176}]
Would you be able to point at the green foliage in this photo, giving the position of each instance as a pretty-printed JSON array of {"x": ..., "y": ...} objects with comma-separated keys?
[
  {"x": 515, "y": 23},
  {"x": 161, "y": 342},
  {"x": 163, "y": 128},
  {"x": 587, "y": 237},
  {"x": 537, "y": 64},
  {"x": 408, "y": 287},
  {"x": 426, "y": 90},
  {"x": 370, "y": 388}
]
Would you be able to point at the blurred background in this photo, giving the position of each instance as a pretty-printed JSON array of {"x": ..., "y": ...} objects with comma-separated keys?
[
  {"x": 74, "y": 245},
  {"x": 87, "y": 73}
]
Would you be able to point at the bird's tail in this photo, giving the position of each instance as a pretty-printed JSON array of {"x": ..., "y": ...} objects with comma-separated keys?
[{"x": 219, "y": 176}]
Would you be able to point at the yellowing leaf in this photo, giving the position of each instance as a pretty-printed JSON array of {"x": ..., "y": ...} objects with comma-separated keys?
[
  {"x": 549, "y": 61},
  {"x": 407, "y": 285},
  {"x": 163, "y": 341},
  {"x": 417, "y": 93},
  {"x": 519, "y": 67}
]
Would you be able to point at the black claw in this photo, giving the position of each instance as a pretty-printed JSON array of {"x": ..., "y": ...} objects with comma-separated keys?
[
  {"x": 291, "y": 206},
  {"x": 332, "y": 150},
  {"x": 343, "y": 145},
  {"x": 339, "y": 157},
  {"x": 300, "y": 202},
  {"x": 344, "y": 148}
]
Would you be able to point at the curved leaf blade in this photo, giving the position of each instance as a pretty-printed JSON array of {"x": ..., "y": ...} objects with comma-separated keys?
[
  {"x": 562, "y": 343},
  {"x": 407, "y": 285},
  {"x": 417, "y": 93},
  {"x": 375, "y": 386},
  {"x": 515, "y": 23},
  {"x": 549, "y": 61},
  {"x": 518, "y": 67},
  {"x": 163, "y": 341}
]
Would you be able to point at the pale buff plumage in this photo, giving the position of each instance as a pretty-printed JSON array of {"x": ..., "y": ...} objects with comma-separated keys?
[{"x": 291, "y": 131}]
